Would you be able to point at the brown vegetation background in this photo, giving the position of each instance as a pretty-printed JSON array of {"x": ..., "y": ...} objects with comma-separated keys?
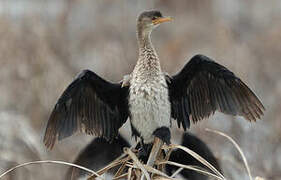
[{"x": 44, "y": 44}]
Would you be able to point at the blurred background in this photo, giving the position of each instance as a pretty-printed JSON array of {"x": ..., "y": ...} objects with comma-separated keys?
[{"x": 44, "y": 44}]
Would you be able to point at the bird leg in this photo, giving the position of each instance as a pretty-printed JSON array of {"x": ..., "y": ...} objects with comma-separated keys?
[{"x": 164, "y": 134}]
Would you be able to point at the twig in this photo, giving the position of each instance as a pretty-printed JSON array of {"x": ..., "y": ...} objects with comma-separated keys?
[
  {"x": 111, "y": 165},
  {"x": 154, "y": 151},
  {"x": 170, "y": 150},
  {"x": 198, "y": 157},
  {"x": 237, "y": 147},
  {"x": 121, "y": 176},
  {"x": 137, "y": 162},
  {"x": 50, "y": 161},
  {"x": 177, "y": 172},
  {"x": 129, "y": 174},
  {"x": 155, "y": 171},
  {"x": 166, "y": 158},
  {"x": 151, "y": 170},
  {"x": 121, "y": 169},
  {"x": 192, "y": 168}
]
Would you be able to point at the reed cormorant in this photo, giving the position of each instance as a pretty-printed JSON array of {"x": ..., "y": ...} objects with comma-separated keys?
[{"x": 149, "y": 97}]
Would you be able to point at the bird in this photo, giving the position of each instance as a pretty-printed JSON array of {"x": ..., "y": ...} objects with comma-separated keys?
[
  {"x": 150, "y": 98},
  {"x": 99, "y": 153}
]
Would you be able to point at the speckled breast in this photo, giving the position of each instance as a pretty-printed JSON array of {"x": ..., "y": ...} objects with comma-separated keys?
[{"x": 149, "y": 106}]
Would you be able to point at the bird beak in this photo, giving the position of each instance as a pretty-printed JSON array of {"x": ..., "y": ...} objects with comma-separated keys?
[{"x": 161, "y": 20}]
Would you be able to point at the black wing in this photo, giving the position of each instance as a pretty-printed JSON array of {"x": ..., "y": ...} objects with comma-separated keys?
[
  {"x": 204, "y": 86},
  {"x": 91, "y": 105}
]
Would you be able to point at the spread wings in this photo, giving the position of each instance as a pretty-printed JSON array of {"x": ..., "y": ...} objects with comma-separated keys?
[
  {"x": 204, "y": 86},
  {"x": 91, "y": 105}
]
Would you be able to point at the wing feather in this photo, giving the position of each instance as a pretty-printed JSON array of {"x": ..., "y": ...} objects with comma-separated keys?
[
  {"x": 90, "y": 105},
  {"x": 203, "y": 86}
]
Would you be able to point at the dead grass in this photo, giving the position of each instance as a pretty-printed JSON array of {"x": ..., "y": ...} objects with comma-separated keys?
[{"x": 132, "y": 168}]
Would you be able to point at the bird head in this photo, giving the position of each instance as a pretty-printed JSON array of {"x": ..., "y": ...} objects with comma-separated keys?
[{"x": 148, "y": 20}]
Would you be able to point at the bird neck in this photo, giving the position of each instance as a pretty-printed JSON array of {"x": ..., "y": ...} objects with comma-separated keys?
[
  {"x": 148, "y": 59},
  {"x": 144, "y": 40}
]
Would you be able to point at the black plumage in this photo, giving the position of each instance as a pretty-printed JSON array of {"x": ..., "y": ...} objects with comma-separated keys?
[
  {"x": 204, "y": 86},
  {"x": 91, "y": 105}
]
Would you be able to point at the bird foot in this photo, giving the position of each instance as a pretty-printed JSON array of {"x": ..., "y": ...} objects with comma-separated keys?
[{"x": 164, "y": 134}]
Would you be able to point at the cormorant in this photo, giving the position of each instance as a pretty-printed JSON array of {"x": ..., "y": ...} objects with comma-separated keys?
[{"x": 149, "y": 97}]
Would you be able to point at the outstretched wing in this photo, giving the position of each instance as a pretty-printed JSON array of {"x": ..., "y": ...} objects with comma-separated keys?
[
  {"x": 91, "y": 105},
  {"x": 204, "y": 86}
]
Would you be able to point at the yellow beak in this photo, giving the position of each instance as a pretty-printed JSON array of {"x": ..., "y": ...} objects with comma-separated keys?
[{"x": 161, "y": 20}]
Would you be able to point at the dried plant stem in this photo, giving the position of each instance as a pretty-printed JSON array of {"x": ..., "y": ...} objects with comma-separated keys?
[
  {"x": 154, "y": 153},
  {"x": 155, "y": 171},
  {"x": 168, "y": 153},
  {"x": 53, "y": 162},
  {"x": 151, "y": 170},
  {"x": 121, "y": 176},
  {"x": 177, "y": 172},
  {"x": 121, "y": 169},
  {"x": 116, "y": 162},
  {"x": 137, "y": 162},
  {"x": 192, "y": 168},
  {"x": 198, "y": 157},
  {"x": 237, "y": 147},
  {"x": 129, "y": 174}
]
